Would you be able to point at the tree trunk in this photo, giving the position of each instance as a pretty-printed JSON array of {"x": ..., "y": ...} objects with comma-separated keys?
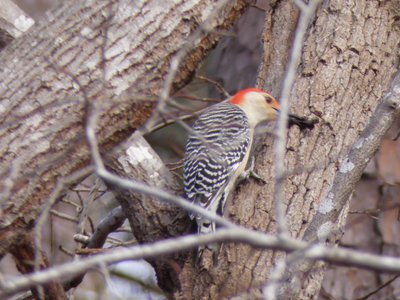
[
  {"x": 349, "y": 57},
  {"x": 114, "y": 54},
  {"x": 151, "y": 219}
]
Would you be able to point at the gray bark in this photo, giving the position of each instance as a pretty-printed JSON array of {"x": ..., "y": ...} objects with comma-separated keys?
[
  {"x": 349, "y": 58},
  {"x": 113, "y": 53}
]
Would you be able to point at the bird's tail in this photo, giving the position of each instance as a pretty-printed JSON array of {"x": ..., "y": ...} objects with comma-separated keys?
[{"x": 206, "y": 227}]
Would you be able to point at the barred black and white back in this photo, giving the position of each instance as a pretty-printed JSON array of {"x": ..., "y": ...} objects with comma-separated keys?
[{"x": 219, "y": 143}]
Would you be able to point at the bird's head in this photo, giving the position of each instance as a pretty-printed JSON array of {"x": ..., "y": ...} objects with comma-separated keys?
[{"x": 258, "y": 105}]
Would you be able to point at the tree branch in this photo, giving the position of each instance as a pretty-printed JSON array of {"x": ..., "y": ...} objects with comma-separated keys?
[
  {"x": 40, "y": 144},
  {"x": 333, "y": 207},
  {"x": 108, "y": 224},
  {"x": 340, "y": 256}
]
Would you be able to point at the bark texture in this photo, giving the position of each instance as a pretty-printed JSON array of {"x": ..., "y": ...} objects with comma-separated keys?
[
  {"x": 349, "y": 57},
  {"x": 113, "y": 53},
  {"x": 372, "y": 226},
  {"x": 151, "y": 219},
  {"x": 117, "y": 53},
  {"x": 13, "y": 22}
]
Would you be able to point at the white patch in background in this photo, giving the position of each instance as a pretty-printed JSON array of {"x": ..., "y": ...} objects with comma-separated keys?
[
  {"x": 128, "y": 284},
  {"x": 359, "y": 143},
  {"x": 23, "y": 23},
  {"x": 346, "y": 166},
  {"x": 86, "y": 31},
  {"x": 327, "y": 204},
  {"x": 132, "y": 279},
  {"x": 324, "y": 231},
  {"x": 139, "y": 154}
]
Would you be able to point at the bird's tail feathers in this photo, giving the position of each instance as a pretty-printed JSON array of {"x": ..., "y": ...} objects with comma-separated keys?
[{"x": 206, "y": 227}]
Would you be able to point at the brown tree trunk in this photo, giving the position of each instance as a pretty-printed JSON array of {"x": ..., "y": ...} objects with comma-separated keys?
[
  {"x": 349, "y": 57},
  {"x": 24, "y": 255},
  {"x": 151, "y": 219},
  {"x": 114, "y": 54}
]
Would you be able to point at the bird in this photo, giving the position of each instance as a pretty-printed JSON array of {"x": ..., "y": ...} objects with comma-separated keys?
[{"x": 218, "y": 149}]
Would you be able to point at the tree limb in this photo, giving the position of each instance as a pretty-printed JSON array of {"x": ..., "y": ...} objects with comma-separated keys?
[
  {"x": 257, "y": 239},
  {"x": 94, "y": 51},
  {"x": 332, "y": 210}
]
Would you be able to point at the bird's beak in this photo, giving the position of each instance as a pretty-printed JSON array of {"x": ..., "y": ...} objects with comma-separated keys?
[{"x": 302, "y": 122}]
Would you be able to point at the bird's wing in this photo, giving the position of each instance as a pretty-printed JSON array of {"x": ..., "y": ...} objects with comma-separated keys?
[{"x": 217, "y": 145}]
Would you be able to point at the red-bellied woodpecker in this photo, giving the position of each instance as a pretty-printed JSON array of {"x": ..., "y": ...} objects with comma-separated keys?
[{"x": 218, "y": 149}]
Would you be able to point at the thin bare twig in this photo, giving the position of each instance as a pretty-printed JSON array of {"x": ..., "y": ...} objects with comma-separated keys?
[
  {"x": 63, "y": 216},
  {"x": 181, "y": 94},
  {"x": 204, "y": 28},
  {"x": 83, "y": 216},
  {"x": 108, "y": 224},
  {"x": 60, "y": 189},
  {"x": 168, "y": 121},
  {"x": 161, "y": 248},
  {"x": 218, "y": 86},
  {"x": 148, "y": 286},
  {"x": 379, "y": 288},
  {"x": 78, "y": 208},
  {"x": 65, "y": 251}
]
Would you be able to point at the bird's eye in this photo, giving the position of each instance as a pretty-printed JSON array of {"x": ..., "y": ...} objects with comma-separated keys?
[{"x": 268, "y": 100}]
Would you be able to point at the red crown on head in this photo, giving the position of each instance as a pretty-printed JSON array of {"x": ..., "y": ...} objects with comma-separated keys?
[{"x": 239, "y": 96}]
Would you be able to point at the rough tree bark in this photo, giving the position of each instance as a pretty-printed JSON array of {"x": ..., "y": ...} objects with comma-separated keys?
[
  {"x": 150, "y": 218},
  {"x": 349, "y": 57},
  {"x": 13, "y": 22},
  {"x": 114, "y": 54}
]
